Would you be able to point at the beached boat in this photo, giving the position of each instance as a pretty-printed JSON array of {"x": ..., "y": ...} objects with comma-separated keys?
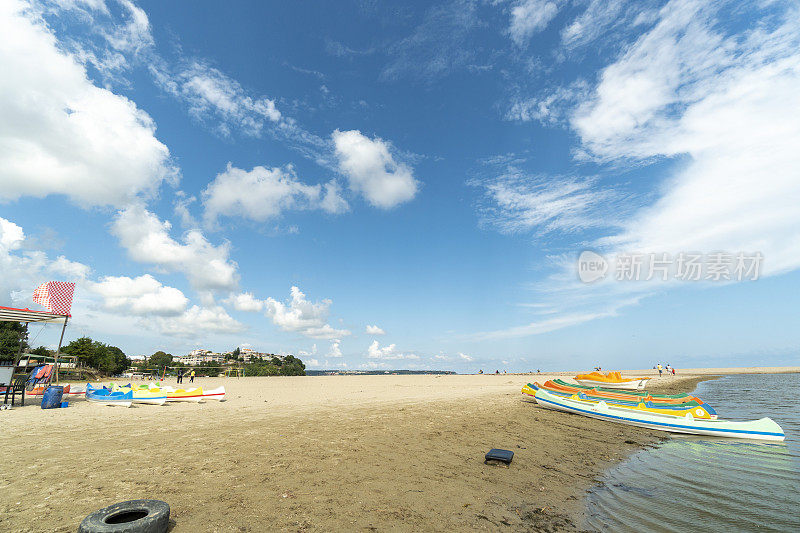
[
  {"x": 558, "y": 388},
  {"x": 632, "y": 392},
  {"x": 762, "y": 429},
  {"x": 611, "y": 380},
  {"x": 210, "y": 394},
  {"x": 107, "y": 397},
  {"x": 182, "y": 395},
  {"x": 69, "y": 390},
  {"x": 696, "y": 410},
  {"x": 145, "y": 396}
]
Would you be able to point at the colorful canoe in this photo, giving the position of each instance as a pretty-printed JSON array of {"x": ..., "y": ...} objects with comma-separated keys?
[
  {"x": 633, "y": 400},
  {"x": 696, "y": 411},
  {"x": 107, "y": 397},
  {"x": 181, "y": 395},
  {"x": 552, "y": 386},
  {"x": 762, "y": 429},
  {"x": 210, "y": 394},
  {"x": 638, "y": 393},
  {"x": 611, "y": 380},
  {"x": 145, "y": 396}
]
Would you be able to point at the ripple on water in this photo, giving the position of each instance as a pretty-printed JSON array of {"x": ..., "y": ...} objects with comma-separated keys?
[{"x": 705, "y": 484}]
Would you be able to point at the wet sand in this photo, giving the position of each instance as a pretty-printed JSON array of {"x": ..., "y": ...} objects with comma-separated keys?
[{"x": 318, "y": 453}]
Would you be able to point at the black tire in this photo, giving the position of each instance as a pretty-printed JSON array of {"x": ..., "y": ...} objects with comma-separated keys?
[{"x": 134, "y": 516}]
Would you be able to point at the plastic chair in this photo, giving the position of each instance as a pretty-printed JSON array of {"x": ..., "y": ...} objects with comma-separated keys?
[{"x": 17, "y": 386}]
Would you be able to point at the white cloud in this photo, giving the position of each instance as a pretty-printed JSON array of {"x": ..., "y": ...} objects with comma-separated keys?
[
  {"x": 71, "y": 269},
  {"x": 212, "y": 319},
  {"x": 246, "y": 302},
  {"x": 11, "y": 235},
  {"x": 599, "y": 16},
  {"x": 313, "y": 351},
  {"x": 210, "y": 93},
  {"x": 728, "y": 102},
  {"x": 312, "y": 363},
  {"x": 390, "y": 352},
  {"x": 372, "y": 171},
  {"x": 147, "y": 240},
  {"x": 465, "y": 357},
  {"x": 60, "y": 134},
  {"x": 302, "y": 316},
  {"x": 437, "y": 46},
  {"x": 264, "y": 193},
  {"x": 335, "y": 350},
  {"x": 529, "y": 17},
  {"x": 523, "y": 203},
  {"x": 143, "y": 295},
  {"x": 550, "y": 108},
  {"x": 374, "y": 330},
  {"x": 134, "y": 35}
]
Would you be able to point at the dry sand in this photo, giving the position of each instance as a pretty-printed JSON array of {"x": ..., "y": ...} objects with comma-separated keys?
[{"x": 318, "y": 453}]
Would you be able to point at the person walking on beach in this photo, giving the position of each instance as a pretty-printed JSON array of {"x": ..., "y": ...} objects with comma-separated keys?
[
  {"x": 180, "y": 376},
  {"x": 191, "y": 377},
  {"x": 660, "y": 369}
]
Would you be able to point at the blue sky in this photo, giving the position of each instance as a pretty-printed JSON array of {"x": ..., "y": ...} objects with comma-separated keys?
[{"x": 405, "y": 186}]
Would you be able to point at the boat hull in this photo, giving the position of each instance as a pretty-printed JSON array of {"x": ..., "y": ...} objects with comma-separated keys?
[
  {"x": 182, "y": 395},
  {"x": 106, "y": 397},
  {"x": 214, "y": 394},
  {"x": 763, "y": 429}
]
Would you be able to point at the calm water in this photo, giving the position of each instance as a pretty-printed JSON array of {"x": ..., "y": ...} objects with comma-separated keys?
[{"x": 711, "y": 484}]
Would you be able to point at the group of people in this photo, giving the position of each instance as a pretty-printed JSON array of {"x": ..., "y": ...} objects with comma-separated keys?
[
  {"x": 181, "y": 374},
  {"x": 661, "y": 369}
]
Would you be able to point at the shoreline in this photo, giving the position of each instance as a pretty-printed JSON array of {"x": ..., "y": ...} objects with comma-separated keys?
[{"x": 306, "y": 453}]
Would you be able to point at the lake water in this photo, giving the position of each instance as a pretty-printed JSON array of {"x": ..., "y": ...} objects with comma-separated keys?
[{"x": 712, "y": 484}]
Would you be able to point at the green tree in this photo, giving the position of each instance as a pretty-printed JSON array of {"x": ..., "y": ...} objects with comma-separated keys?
[
  {"x": 41, "y": 350},
  {"x": 13, "y": 338},
  {"x": 159, "y": 360},
  {"x": 292, "y": 366},
  {"x": 98, "y": 355},
  {"x": 236, "y": 352}
]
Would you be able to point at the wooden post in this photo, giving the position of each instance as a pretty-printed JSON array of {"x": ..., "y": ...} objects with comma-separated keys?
[{"x": 58, "y": 350}]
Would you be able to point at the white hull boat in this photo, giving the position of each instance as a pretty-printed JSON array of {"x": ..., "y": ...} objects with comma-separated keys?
[
  {"x": 762, "y": 429},
  {"x": 214, "y": 394},
  {"x": 633, "y": 384}
]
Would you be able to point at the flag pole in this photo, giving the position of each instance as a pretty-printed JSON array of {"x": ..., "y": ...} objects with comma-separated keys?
[{"x": 58, "y": 350}]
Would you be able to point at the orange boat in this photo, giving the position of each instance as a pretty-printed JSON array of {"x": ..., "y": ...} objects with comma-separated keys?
[
  {"x": 557, "y": 387},
  {"x": 611, "y": 380}
]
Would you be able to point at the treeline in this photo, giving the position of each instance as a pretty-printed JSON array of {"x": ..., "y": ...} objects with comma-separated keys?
[
  {"x": 90, "y": 353},
  {"x": 289, "y": 366},
  {"x": 98, "y": 355}
]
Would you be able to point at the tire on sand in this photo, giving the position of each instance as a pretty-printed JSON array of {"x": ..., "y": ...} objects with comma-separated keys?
[{"x": 134, "y": 516}]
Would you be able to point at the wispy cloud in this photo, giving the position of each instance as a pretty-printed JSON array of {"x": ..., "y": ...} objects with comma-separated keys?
[
  {"x": 529, "y": 17},
  {"x": 210, "y": 93},
  {"x": 437, "y": 45},
  {"x": 725, "y": 103}
]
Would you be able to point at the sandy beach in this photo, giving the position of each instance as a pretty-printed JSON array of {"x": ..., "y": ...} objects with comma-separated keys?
[{"x": 320, "y": 453}]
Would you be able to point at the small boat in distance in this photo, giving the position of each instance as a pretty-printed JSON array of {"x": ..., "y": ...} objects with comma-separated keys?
[
  {"x": 762, "y": 429},
  {"x": 611, "y": 380}
]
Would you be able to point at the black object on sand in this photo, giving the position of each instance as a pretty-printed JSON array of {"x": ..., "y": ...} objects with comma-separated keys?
[
  {"x": 496, "y": 456},
  {"x": 133, "y": 516}
]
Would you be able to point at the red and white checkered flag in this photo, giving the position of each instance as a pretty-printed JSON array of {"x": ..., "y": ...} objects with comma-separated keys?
[{"x": 55, "y": 296}]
